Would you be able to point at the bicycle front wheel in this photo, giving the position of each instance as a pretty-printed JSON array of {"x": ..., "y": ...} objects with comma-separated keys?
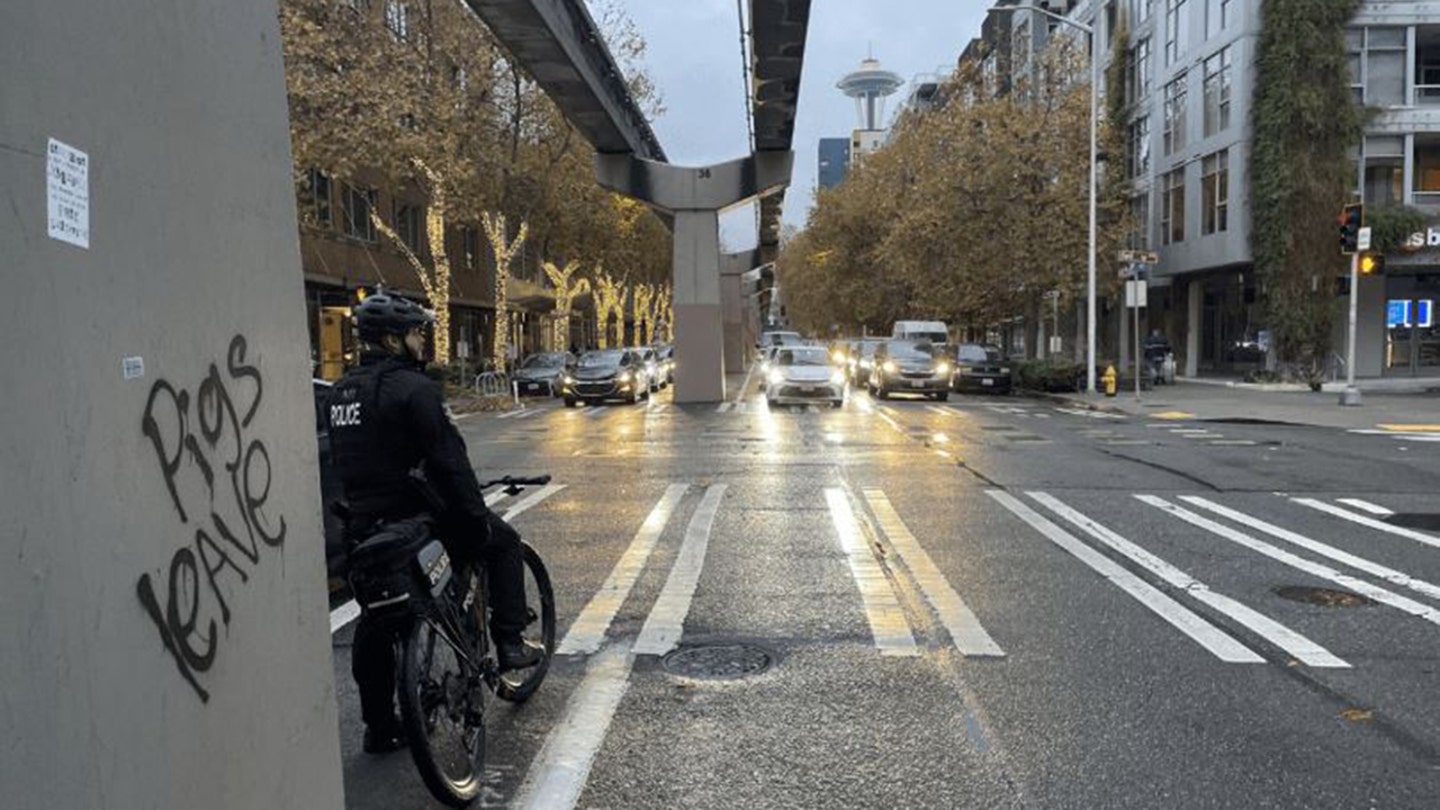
[
  {"x": 518, "y": 685},
  {"x": 442, "y": 707}
]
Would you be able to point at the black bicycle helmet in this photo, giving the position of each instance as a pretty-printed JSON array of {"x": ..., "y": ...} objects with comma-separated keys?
[{"x": 385, "y": 313}]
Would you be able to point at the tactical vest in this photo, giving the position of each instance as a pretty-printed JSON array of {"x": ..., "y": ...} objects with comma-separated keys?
[{"x": 370, "y": 454}]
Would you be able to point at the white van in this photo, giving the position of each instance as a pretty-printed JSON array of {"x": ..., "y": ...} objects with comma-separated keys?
[{"x": 933, "y": 331}]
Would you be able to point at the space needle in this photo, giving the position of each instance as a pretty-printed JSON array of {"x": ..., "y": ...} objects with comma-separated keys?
[{"x": 869, "y": 86}]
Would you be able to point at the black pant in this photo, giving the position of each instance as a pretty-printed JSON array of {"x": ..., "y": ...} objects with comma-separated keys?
[{"x": 372, "y": 655}]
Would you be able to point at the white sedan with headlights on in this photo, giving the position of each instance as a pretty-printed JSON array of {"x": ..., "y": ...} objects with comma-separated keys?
[{"x": 803, "y": 374}]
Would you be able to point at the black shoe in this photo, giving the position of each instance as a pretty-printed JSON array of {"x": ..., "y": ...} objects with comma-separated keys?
[
  {"x": 384, "y": 739},
  {"x": 519, "y": 654}
]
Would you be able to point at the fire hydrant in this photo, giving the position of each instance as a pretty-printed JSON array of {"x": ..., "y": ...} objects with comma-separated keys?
[{"x": 1111, "y": 380}]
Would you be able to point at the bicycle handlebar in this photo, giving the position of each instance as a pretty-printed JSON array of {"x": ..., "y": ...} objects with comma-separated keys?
[{"x": 511, "y": 481}]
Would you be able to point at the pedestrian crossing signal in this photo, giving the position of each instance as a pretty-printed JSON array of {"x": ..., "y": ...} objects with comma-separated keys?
[
  {"x": 1372, "y": 264},
  {"x": 1350, "y": 221}
]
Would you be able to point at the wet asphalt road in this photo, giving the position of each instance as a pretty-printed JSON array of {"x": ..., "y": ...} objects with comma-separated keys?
[{"x": 965, "y": 605}]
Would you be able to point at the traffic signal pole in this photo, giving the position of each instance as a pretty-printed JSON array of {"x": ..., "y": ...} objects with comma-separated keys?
[{"x": 1351, "y": 395}]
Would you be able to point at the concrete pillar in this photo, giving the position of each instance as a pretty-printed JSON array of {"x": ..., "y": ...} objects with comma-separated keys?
[
  {"x": 162, "y": 597},
  {"x": 1194, "y": 310},
  {"x": 694, "y": 197},
  {"x": 733, "y": 266}
]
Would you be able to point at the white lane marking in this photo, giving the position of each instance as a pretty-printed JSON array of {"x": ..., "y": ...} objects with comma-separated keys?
[
  {"x": 1366, "y": 506},
  {"x": 1380, "y": 525},
  {"x": 666, "y": 622},
  {"x": 594, "y": 410},
  {"x": 588, "y": 631},
  {"x": 964, "y": 627},
  {"x": 939, "y": 410},
  {"x": 745, "y": 386},
  {"x": 723, "y": 407},
  {"x": 888, "y": 625},
  {"x": 1207, "y": 635},
  {"x": 1298, "y": 646},
  {"x": 1233, "y": 442},
  {"x": 1189, "y": 431},
  {"x": 656, "y": 407},
  {"x": 888, "y": 410},
  {"x": 558, "y": 774},
  {"x": 1360, "y": 586},
  {"x": 510, "y": 414},
  {"x": 524, "y": 504},
  {"x": 491, "y": 500},
  {"x": 343, "y": 615},
  {"x": 1358, "y": 563}
]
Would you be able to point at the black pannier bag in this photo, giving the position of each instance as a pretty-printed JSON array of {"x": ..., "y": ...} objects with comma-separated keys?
[{"x": 386, "y": 571}]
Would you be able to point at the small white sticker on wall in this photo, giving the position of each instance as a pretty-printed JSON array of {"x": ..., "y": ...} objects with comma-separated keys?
[
  {"x": 67, "y": 194},
  {"x": 132, "y": 367}
]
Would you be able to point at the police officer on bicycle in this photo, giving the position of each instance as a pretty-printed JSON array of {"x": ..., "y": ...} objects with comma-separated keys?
[{"x": 395, "y": 422}]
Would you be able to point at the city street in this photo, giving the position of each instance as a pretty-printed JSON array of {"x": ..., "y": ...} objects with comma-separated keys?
[{"x": 988, "y": 602}]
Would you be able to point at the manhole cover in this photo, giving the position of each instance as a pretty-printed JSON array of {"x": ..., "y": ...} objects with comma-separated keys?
[
  {"x": 717, "y": 662},
  {"x": 1325, "y": 597}
]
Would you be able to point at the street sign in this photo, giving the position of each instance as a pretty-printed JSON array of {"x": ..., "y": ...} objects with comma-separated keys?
[
  {"x": 1363, "y": 240},
  {"x": 1139, "y": 257},
  {"x": 1137, "y": 294}
]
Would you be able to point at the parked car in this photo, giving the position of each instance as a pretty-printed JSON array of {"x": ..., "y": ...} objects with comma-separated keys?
[
  {"x": 979, "y": 367},
  {"x": 540, "y": 373},
  {"x": 667, "y": 362},
  {"x": 911, "y": 366},
  {"x": 653, "y": 372},
  {"x": 860, "y": 359},
  {"x": 804, "y": 374},
  {"x": 606, "y": 374}
]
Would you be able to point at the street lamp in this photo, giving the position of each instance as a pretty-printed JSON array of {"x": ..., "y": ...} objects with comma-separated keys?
[{"x": 1094, "y": 177}]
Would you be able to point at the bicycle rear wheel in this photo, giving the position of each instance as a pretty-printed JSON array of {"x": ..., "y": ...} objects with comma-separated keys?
[
  {"x": 518, "y": 685},
  {"x": 442, "y": 705}
]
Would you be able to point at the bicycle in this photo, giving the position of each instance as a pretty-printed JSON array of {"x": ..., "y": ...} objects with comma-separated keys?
[{"x": 403, "y": 577}]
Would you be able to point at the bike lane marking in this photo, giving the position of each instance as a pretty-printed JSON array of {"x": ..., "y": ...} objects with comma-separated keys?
[
  {"x": 1298, "y": 646},
  {"x": 1207, "y": 635},
  {"x": 666, "y": 622},
  {"x": 520, "y": 506},
  {"x": 888, "y": 625},
  {"x": 964, "y": 627},
  {"x": 588, "y": 630},
  {"x": 1379, "y": 525},
  {"x": 1366, "y": 506}
]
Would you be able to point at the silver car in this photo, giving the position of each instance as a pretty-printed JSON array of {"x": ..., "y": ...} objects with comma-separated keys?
[{"x": 804, "y": 374}]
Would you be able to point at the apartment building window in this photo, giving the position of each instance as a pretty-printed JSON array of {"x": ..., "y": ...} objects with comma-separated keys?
[
  {"x": 1217, "y": 16},
  {"x": 1172, "y": 207},
  {"x": 320, "y": 196},
  {"x": 1137, "y": 71},
  {"x": 1020, "y": 47},
  {"x": 1177, "y": 29},
  {"x": 470, "y": 247},
  {"x": 1385, "y": 170},
  {"x": 1385, "y": 67},
  {"x": 1215, "y": 193},
  {"x": 1140, "y": 216},
  {"x": 1427, "y": 168},
  {"x": 1218, "y": 74},
  {"x": 1355, "y": 57},
  {"x": 407, "y": 226},
  {"x": 355, "y": 206},
  {"x": 1140, "y": 10},
  {"x": 397, "y": 19},
  {"x": 1140, "y": 147},
  {"x": 1175, "y": 100}
]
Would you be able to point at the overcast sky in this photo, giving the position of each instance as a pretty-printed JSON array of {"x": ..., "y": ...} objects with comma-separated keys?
[{"x": 694, "y": 55}]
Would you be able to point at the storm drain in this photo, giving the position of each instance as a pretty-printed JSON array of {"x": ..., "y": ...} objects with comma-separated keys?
[
  {"x": 717, "y": 662},
  {"x": 1325, "y": 597}
]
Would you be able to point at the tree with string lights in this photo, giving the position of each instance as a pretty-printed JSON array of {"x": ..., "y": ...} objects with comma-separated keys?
[
  {"x": 566, "y": 292},
  {"x": 505, "y": 249}
]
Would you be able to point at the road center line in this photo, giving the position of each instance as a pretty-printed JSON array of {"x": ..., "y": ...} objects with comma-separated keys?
[
  {"x": 666, "y": 622},
  {"x": 965, "y": 630},
  {"x": 1358, "y": 563},
  {"x": 1207, "y": 635},
  {"x": 1298, "y": 646},
  {"x": 1380, "y": 525},
  {"x": 888, "y": 625},
  {"x": 530, "y": 500},
  {"x": 1360, "y": 586},
  {"x": 588, "y": 631},
  {"x": 559, "y": 773}
]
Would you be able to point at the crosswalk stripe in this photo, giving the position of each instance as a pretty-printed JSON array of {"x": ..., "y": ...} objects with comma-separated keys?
[
  {"x": 497, "y": 497},
  {"x": 888, "y": 626},
  {"x": 939, "y": 410},
  {"x": 1207, "y": 635},
  {"x": 343, "y": 615},
  {"x": 588, "y": 631},
  {"x": 1363, "y": 520},
  {"x": 594, "y": 410},
  {"x": 510, "y": 414},
  {"x": 723, "y": 407},
  {"x": 1298, "y": 646},
  {"x": 1360, "y": 586},
  {"x": 1366, "y": 506},
  {"x": 1358, "y": 563},
  {"x": 965, "y": 630},
  {"x": 559, "y": 772},
  {"x": 523, "y": 505},
  {"x": 666, "y": 622}
]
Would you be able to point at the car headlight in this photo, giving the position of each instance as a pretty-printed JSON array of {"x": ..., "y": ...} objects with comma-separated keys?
[
  {"x": 568, "y": 380},
  {"x": 624, "y": 377},
  {"x": 838, "y": 357},
  {"x": 777, "y": 376},
  {"x": 888, "y": 366},
  {"x": 942, "y": 370},
  {"x": 838, "y": 378}
]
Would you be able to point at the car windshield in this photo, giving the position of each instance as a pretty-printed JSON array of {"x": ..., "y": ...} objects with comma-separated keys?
[
  {"x": 911, "y": 349},
  {"x": 868, "y": 348},
  {"x": 600, "y": 359},
  {"x": 971, "y": 353},
  {"x": 803, "y": 357},
  {"x": 544, "y": 361}
]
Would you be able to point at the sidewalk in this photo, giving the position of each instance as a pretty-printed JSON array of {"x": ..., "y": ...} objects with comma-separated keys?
[{"x": 1210, "y": 401}]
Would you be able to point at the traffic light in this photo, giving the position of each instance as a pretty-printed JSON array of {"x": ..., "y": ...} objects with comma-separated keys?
[
  {"x": 1350, "y": 221},
  {"x": 1372, "y": 264}
]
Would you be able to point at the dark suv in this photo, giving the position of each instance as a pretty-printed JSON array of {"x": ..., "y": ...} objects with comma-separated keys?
[
  {"x": 911, "y": 367},
  {"x": 981, "y": 368},
  {"x": 606, "y": 374}
]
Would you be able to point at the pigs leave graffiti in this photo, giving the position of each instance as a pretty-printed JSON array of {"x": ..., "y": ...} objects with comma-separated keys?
[{"x": 219, "y": 478}]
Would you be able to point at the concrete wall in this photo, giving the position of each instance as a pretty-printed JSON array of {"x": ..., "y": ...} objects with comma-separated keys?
[{"x": 162, "y": 591}]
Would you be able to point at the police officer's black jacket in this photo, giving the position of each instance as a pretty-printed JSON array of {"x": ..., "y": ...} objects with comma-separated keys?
[{"x": 387, "y": 418}]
